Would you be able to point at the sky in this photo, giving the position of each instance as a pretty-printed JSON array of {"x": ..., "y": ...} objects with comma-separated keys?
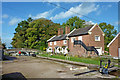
[{"x": 95, "y": 12}]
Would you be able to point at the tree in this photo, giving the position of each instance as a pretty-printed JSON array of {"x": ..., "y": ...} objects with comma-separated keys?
[
  {"x": 39, "y": 32},
  {"x": 19, "y": 37},
  {"x": 34, "y": 33},
  {"x": 109, "y": 31},
  {"x": 4, "y": 45},
  {"x": 29, "y": 19},
  {"x": 74, "y": 22}
]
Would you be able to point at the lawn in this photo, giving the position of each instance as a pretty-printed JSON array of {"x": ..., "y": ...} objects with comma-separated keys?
[
  {"x": 88, "y": 60},
  {"x": 95, "y": 61}
]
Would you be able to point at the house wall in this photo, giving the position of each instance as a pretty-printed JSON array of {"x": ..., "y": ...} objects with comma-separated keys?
[
  {"x": 113, "y": 48},
  {"x": 88, "y": 40},
  {"x": 96, "y": 31},
  {"x": 119, "y": 41},
  {"x": 58, "y": 43}
]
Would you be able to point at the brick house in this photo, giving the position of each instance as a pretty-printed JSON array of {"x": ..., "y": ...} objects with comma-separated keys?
[
  {"x": 81, "y": 42},
  {"x": 114, "y": 46}
]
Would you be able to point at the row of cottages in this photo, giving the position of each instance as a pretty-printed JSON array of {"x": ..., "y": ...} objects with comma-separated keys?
[
  {"x": 81, "y": 42},
  {"x": 114, "y": 46}
]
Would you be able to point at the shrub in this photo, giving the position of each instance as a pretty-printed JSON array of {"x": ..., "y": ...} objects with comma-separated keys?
[
  {"x": 88, "y": 56},
  {"x": 68, "y": 49},
  {"x": 63, "y": 47}
]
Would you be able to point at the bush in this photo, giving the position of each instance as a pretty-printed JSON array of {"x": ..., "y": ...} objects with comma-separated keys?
[
  {"x": 63, "y": 47},
  {"x": 68, "y": 49},
  {"x": 88, "y": 56}
]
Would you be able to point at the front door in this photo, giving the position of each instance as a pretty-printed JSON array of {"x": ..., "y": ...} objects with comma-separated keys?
[{"x": 99, "y": 51}]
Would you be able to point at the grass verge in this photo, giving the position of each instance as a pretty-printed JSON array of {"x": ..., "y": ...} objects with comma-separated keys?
[{"x": 76, "y": 59}]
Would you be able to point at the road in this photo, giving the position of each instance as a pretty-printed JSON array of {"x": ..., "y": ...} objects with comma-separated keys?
[{"x": 31, "y": 67}]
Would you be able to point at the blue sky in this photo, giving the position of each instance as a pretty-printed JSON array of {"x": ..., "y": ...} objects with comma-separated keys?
[{"x": 14, "y": 12}]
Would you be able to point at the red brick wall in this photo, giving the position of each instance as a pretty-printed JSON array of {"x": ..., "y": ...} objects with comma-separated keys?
[
  {"x": 77, "y": 50},
  {"x": 113, "y": 48},
  {"x": 89, "y": 40},
  {"x": 58, "y": 43},
  {"x": 119, "y": 41},
  {"x": 92, "y": 42}
]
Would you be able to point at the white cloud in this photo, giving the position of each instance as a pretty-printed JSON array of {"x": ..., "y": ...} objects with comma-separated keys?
[
  {"x": 41, "y": 15},
  {"x": 45, "y": 14},
  {"x": 89, "y": 23},
  {"x": 83, "y": 9},
  {"x": 5, "y": 16},
  {"x": 14, "y": 20}
]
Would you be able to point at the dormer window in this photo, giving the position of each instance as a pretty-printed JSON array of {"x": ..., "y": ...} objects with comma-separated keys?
[{"x": 97, "y": 38}]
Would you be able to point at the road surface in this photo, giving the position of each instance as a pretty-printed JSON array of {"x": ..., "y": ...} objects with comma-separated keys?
[{"x": 31, "y": 67}]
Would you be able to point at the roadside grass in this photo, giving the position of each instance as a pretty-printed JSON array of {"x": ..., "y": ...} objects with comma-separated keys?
[
  {"x": 95, "y": 61},
  {"x": 87, "y": 60},
  {"x": 6, "y": 54}
]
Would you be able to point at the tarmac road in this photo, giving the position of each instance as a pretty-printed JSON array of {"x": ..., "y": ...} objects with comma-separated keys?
[{"x": 31, "y": 67}]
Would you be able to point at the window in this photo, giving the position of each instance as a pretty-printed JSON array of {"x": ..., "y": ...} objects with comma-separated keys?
[
  {"x": 65, "y": 42},
  {"x": 50, "y": 43},
  {"x": 97, "y": 38},
  {"x": 80, "y": 38},
  {"x": 72, "y": 39},
  {"x": 54, "y": 42}
]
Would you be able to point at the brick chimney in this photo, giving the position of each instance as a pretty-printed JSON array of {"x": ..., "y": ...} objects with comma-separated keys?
[
  {"x": 60, "y": 31},
  {"x": 67, "y": 30}
]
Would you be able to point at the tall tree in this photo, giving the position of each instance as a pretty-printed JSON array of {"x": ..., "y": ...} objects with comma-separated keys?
[
  {"x": 4, "y": 45},
  {"x": 39, "y": 32},
  {"x": 109, "y": 31},
  {"x": 19, "y": 37},
  {"x": 74, "y": 22},
  {"x": 29, "y": 19},
  {"x": 34, "y": 33}
]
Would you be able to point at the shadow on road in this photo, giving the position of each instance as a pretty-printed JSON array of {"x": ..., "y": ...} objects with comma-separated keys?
[
  {"x": 8, "y": 58},
  {"x": 13, "y": 76},
  {"x": 85, "y": 73}
]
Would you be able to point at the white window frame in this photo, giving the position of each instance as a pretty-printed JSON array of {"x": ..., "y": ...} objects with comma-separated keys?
[
  {"x": 72, "y": 39},
  {"x": 98, "y": 37},
  {"x": 64, "y": 41},
  {"x": 55, "y": 43},
  {"x": 50, "y": 43},
  {"x": 80, "y": 38}
]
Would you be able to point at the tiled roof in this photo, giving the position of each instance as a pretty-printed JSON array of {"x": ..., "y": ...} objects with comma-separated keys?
[
  {"x": 77, "y": 32},
  {"x": 80, "y": 31},
  {"x": 57, "y": 38}
]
